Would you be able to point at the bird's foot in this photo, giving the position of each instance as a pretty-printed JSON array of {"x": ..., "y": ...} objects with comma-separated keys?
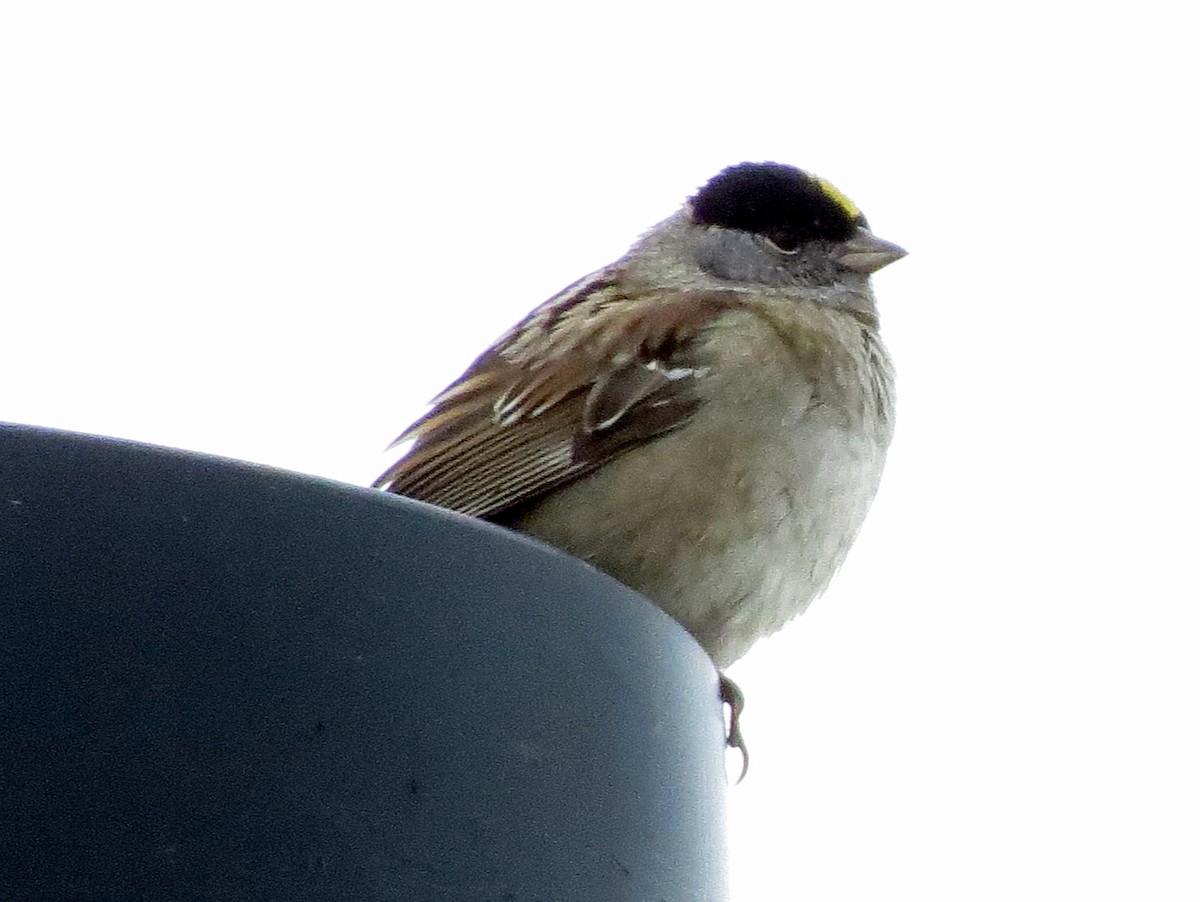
[{"x": 731, "y": 695}]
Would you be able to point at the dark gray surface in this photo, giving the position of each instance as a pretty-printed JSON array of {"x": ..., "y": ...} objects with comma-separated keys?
[{"x": 222, "y": 682}]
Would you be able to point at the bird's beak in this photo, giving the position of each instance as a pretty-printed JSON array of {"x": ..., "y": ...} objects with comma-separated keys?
[{"x": 865, "y": 253}]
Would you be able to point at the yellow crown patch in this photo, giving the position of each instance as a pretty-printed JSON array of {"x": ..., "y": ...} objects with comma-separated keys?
[{"x": 838, "y": 198}]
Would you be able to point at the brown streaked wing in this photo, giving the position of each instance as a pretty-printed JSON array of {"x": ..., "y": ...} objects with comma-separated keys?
[{"x": 548, "y": 405}]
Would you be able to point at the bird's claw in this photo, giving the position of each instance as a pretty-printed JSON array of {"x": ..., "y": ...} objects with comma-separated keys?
[{"x": 731, "y": 695}]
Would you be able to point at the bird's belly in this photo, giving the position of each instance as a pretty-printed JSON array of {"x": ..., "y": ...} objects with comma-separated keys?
[
  {"x": 759, "y": 535},
  {"x": 799, "y": 517}
]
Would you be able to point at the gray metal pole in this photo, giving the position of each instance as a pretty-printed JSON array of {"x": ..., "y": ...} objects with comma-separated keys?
[{"x": 222, "y": 681}]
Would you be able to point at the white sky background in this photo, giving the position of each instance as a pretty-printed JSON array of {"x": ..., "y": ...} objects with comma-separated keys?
[{"x": 272, "y": 231}]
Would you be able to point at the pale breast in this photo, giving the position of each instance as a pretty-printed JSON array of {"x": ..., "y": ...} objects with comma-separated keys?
[{"x": 734, "y": 523}]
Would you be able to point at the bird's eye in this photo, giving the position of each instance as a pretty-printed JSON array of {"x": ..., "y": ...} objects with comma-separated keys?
[{"x": 783, "y": 242}]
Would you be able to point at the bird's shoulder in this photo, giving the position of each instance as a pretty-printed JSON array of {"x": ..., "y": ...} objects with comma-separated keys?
[{"x": 600, "y": 367}]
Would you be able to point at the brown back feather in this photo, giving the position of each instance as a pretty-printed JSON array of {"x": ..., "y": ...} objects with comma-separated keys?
[{"x": 579, "y": 381}]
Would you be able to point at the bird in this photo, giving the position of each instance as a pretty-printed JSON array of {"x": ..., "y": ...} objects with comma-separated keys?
[{"x": 705, "y": 419}]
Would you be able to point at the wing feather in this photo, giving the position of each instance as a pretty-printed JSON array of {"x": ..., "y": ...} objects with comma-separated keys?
[{"x": 588, "y": 375}]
